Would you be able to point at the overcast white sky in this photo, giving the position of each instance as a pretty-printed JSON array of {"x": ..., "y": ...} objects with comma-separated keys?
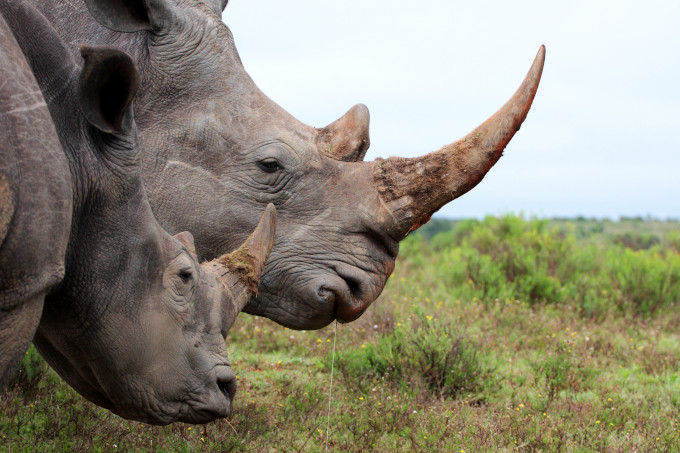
[{"x": 602, "y": 138}]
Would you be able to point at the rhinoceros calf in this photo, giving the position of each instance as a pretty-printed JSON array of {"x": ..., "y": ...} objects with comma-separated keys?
[
  {"x": 136, "y": 324},
  {"x": 216, "y": 149}
]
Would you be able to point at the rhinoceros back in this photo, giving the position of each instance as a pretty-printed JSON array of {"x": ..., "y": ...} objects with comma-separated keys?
[
  {"x": 35, "y": 183},
  {"x": 35, "y": 204}
]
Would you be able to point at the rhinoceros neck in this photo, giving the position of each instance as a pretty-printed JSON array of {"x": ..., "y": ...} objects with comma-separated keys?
[
  {"x": 113, "y": 260},
  {"x": 112, "y": 225}
]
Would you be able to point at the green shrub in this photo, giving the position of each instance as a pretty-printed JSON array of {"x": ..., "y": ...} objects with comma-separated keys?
[
  {"x": 671, "y": 242},
  {"x": 558, "y": 371},
  {"x": 644, "y": 281},
  {"x": 30, "y": 372},
  {"x": 422, "y": 354}
]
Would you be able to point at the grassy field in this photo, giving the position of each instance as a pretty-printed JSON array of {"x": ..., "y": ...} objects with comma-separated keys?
[{"x": 497, "y": 335}]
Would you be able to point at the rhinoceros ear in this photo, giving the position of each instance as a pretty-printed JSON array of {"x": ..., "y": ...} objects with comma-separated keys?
[
  {"x": 108, "y": 83},
  {"x": 128, "y": 15},
  {"x": 217, "y": 5},
  {"x": 187, "y": 240}
]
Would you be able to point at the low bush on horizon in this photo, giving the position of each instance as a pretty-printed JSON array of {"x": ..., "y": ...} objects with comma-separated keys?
[
  {"x": 502, "y": 334},
  {"x": 529, "y": 260}
]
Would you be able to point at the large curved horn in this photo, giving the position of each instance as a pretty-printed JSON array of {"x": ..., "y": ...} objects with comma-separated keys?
[
  {"x": 414, "y": 189},
  {"x": 239, "y": 271}
]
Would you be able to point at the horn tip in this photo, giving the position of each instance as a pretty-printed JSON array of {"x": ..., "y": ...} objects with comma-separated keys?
[
  {"x": 540, "y": 57},
  {"x": 261, "y": 241},
  {"x": 270, "y": 211},
  {"x": 267, "y": 224}
]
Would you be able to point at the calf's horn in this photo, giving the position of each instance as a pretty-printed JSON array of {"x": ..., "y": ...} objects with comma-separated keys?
[
  {"x": 239, "y": 271},
  {"x": 414, "y": 189}
]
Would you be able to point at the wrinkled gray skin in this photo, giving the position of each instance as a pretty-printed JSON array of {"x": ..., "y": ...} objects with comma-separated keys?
[
  {"x": 35, "y": 183},
  {"x": 216, "y": 150},
  {"x": 136, "y": 325}
]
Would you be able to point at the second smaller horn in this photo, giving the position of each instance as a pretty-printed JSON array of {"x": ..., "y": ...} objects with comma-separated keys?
[{"x": 239, "y": 271}]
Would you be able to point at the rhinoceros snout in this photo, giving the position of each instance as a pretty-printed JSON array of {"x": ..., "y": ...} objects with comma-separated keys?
[{"x": 217, "y": 402}]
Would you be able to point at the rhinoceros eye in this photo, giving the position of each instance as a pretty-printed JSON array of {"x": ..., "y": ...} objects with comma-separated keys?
[
  {"x": 269, "y": 165},
  {"x": 186, "y": 275}
]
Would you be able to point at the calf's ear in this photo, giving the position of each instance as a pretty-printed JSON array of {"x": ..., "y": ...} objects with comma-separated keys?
[
  {"x": 108, "y": 84},
  {"x": 131, "y": 15},
  {"x": 187, "y": 240}
]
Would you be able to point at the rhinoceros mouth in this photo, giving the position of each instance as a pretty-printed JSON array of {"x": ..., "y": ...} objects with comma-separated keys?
[
  {"x": 219, "y": 399},
  {"x": 211, "y": 401},
  {"x": 341, "y": 291}
]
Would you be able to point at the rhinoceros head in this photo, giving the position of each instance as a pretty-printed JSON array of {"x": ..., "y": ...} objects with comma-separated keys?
[
  {"x": 137, "y": 324},
  {"x": 217, "y": 150}
]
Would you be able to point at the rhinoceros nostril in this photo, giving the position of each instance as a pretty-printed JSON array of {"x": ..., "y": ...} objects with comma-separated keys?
[
  {"x": 354, "y": 286},
  {"x": 326, "y": 294},
  {"x": 228, "y": 389}
]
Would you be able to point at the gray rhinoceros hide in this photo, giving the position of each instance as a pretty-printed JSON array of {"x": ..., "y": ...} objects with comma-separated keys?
[
  {"x": 35, "y": 204},
  {"x": 136, "y": 324},
  {"x": 216, "y": 150}
]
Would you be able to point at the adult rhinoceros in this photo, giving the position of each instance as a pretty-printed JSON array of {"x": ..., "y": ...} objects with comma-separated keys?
[
  {"x": 216, "y": 150},
  {"x": 135, "y": 325},
  {"x": 34, "y": 180}
]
